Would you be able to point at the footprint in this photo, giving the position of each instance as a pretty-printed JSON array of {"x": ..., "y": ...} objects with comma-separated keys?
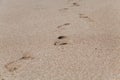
[
  {"x": 83, "y": 16},
  {"x": 26, "y": 57},
  {"x": 65, "y": 24},
  {"x": 60, "y": 43},
  {"x": 62, "y": 40},
  {"x": 61, "y": 37},
  {"x": 75, "y": 4},
  {"x": 63, "y": 9},
  {"x": 15, "y": 65},
  {"x": 12, "y": 66}
]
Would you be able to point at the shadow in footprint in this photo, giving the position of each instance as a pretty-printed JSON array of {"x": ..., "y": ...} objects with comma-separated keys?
[
  {"x": 61, "y": 40},
  {"x": 62, "y": 37},
  {"x": 60, "y": 43},
  {"x": 75, "y": 4}
]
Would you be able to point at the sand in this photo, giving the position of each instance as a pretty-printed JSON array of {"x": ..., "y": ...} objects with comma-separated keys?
[{"x": 59, "y": 40}]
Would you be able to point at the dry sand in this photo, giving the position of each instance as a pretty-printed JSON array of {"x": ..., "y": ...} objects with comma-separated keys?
[{"x": 59, "y": 39}]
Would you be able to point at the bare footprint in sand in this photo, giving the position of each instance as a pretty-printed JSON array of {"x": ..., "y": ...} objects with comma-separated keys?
[
  {"x": 63, "y": 25},
  {"x": 64, "y": 9},
  {"x": 75, "y": 4},
  {"x": 15, "y": 65},
  {"x": 83, "y": 16},
  {"x": 62, "y": 40}
]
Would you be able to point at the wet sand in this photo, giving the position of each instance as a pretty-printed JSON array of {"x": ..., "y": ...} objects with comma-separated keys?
[{"x": 59, "y": 40}]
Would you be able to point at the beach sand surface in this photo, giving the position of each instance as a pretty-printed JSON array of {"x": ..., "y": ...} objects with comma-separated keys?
[{"x": 59, "y": 40}]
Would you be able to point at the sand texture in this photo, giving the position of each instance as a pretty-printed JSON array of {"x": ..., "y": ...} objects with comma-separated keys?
[{"x": 59, "y": 39}]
